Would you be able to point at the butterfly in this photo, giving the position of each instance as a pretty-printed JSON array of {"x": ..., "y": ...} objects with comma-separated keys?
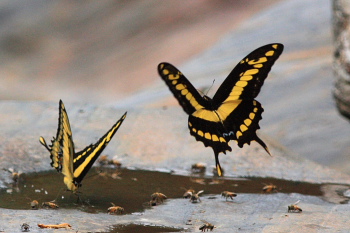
[
  {"x": 75, "y": 165},
  {"x": 233, "y": 113}
]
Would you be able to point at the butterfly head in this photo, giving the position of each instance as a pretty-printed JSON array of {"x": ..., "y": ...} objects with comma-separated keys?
[
  {"x": 207, "y": 98},
  {"x": 209, "y": 104}
]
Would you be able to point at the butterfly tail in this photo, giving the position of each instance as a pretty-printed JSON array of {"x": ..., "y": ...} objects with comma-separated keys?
[
  {"x": 218, "y": 166},
  {"x": 258, "y": 140}
]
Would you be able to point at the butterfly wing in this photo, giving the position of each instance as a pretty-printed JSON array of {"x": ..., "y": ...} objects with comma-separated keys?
[
  {"x": 182, "y": 89},
  {"x": 62, "y": 148},
  {"x": 234, "y": 101},
  {"x": 84, "y": 159},
  {"x": 55, "y": 148},
  {"x": 247, "y": 78},
  {"x": 67, "y": 162}
]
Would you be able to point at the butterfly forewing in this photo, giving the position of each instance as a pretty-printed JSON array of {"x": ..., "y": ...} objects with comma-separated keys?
[
  {"x": 183, "y": 90},
  {"x": 84, "y": 159},
  {"x": 246, "y": 79},
  {"x": 67, "y": 161}
]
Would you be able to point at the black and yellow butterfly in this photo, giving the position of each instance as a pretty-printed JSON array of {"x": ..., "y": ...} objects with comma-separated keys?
[
  {"x": 233, "y": 113},
  {"x": 74, "y": 166}
]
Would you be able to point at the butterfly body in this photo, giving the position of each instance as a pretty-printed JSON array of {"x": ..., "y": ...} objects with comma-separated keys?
[
  {"x": 232, "y": 113},
  {"x": 75, "y": 165}
]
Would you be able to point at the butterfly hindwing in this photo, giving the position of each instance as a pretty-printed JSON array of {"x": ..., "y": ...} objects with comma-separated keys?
[
  {"x": 241, "y": 125},
  {"x": 208, "y": 132},
  {"x": 84, "y": 159},
  {"x": 183, "y": 90}
]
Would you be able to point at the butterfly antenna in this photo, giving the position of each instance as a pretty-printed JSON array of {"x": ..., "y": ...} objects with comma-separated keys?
[
  {"x": 218, "y": 167},
  {"x": 210, "y": 87},
  {"x": 203, "y": 89}
]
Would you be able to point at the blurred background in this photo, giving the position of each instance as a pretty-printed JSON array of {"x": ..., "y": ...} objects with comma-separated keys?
[{"x": 102, "y": 51}]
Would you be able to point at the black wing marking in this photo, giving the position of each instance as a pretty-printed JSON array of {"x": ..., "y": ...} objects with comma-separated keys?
[
  {"x": 84, "y": 159},
  {"x": 183, "y": 90}
]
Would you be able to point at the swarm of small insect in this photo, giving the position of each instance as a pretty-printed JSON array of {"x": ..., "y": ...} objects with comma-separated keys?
[
  {"x": 188, "y": 193},
  {"x": 228, "y": 194},
  {"x": 198, "y": 168},
  {"x": 294, "y": 208},
  {"x": 25, "y": 227},
  {"x": 206, "y": 227},
  {"x": 269, "y": 188},
  {"x": 157, "y": 198},
  {"x": 195, "y": 197},
  {"x": 34, "y": 205},
  {"x": 114, "y": 209},
  {"x": 49, "y": 205}
]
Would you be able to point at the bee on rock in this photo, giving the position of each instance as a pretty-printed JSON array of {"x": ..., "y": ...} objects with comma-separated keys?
[
  {"x": 294, "y": 208},
  {"x": 25, "y": 227},
  {"x": 198, "y": 168},
  {"x": 188, "y": 193},
  {"x": 206, "y": 227},
  {"x": 34, "y": 205},
  {"x": 228, "y": 194},
  {"x": 195, "y": 197},
  {"x": 157, "y": 198}
]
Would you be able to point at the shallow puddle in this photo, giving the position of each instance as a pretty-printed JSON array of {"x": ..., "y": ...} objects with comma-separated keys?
[
  {"x": 131, "y": 228},
  {"x": 131, "y": 189}
]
